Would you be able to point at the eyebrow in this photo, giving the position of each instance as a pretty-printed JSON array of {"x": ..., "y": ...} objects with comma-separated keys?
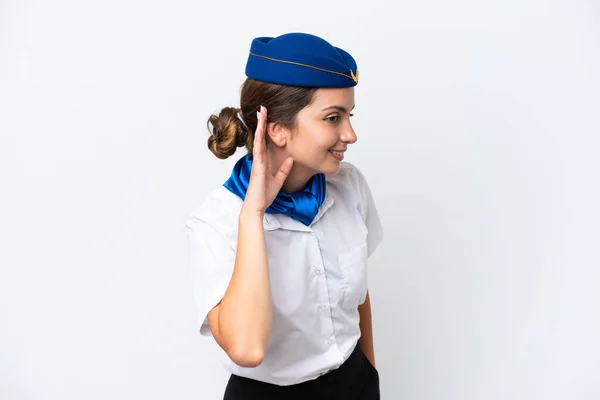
[{"x": 339, "y": 108}]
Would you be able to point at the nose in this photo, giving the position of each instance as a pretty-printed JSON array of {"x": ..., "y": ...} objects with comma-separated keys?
[{"x": 348, "y": 135}]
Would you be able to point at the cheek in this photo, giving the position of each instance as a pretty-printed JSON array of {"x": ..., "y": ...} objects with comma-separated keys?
[
  {"x": 314, "y": 139},
  {"x": 312, "y": 142},
  {"x": 324, "y": 139}
]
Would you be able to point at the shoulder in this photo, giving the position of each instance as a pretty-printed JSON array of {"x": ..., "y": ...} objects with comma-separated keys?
[
  {"x": 351, "y": 183},
  {"x": 218, "y": 214},
  {"x": 349, "y": 179}
]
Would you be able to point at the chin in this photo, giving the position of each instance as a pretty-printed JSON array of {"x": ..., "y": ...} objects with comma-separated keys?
[
  {"x": 327, "y": 166},
  {"x": 330, "y": 168}
]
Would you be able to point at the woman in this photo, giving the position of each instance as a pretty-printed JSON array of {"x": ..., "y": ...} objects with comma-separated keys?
[{"x": 279, "y": 252}]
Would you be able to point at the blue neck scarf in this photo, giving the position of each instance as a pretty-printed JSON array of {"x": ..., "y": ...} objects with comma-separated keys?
[{"x": 302, "y": 205}]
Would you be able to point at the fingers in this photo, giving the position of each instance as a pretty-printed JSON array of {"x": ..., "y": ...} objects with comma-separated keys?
[
  {"x": 259, "y": 147},
  {"x": 284, "y": 171}
]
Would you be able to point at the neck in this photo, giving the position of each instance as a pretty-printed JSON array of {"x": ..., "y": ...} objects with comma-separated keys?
[{"x": 298, "y": 176}]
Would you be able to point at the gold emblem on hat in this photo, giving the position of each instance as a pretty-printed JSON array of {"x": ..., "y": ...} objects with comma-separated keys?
[{"x": 354, "y": 77}]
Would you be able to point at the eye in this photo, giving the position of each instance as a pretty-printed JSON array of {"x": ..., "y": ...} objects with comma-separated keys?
[{"x": 335, "y": 118}]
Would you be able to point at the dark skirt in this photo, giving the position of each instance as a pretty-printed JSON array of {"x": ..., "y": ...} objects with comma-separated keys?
[{"x": 355, "y": 379}]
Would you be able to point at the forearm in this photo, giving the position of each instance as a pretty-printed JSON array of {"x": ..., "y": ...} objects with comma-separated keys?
[
  {"x": 245, "y": 315},
  {"x": 366, "y": 330}
]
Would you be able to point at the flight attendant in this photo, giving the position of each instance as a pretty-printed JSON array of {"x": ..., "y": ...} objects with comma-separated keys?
[{"x": 279, "y": 252}]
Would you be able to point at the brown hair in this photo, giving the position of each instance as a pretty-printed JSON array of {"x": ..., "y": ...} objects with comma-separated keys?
[{"x": 282, "y": 102}]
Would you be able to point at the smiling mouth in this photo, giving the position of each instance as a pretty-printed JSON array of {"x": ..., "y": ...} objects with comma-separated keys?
[{"x": 337, "y": 154}]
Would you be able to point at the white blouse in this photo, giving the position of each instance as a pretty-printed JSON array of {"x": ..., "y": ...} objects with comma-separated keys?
[{"x": 318, "y": 275}]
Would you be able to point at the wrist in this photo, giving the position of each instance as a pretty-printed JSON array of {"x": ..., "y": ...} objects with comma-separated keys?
[{"x": 249, "y": 212}]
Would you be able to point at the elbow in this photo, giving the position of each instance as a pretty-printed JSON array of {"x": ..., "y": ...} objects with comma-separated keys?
[{"x": 248, "y": 358}]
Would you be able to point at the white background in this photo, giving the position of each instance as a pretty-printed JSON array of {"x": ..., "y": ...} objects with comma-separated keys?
[{"x": 478, "y": 128}]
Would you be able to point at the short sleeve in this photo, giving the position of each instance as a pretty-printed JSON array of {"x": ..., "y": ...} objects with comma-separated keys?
[
  {"x": 368, "y": 211},
  {"x": 211, "y": 262}
]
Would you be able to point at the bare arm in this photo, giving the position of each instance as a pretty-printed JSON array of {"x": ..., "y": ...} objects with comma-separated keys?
[
  {"x": 366, "y": 330},
  {"x": 241, "y": 322}
]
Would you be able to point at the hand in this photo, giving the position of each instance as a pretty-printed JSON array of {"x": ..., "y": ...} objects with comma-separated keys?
[{"x": 264, "y": 185}]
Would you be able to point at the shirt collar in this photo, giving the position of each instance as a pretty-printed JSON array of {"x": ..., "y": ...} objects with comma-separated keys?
[{"x": 282, "y": 221}]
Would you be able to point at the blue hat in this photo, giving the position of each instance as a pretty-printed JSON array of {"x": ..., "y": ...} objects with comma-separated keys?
[{"x": 300, "y": 59}]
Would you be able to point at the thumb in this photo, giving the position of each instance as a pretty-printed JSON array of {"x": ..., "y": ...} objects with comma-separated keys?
[{"x": 284, "y": 171}]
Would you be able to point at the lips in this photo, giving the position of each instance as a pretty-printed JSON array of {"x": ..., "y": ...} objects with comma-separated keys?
[{"x": 339, "y": 155}]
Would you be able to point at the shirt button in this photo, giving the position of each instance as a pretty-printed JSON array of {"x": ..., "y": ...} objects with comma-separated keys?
[
  {"x": 318, "y": 271},
  {"x": 322, "y": 308}
]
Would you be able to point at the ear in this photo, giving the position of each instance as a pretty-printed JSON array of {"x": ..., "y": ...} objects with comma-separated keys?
[{"x": 277, "y": 133}]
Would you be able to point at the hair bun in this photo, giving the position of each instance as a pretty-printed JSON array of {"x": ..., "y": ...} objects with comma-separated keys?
[{"x": 227, "y": 133}]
